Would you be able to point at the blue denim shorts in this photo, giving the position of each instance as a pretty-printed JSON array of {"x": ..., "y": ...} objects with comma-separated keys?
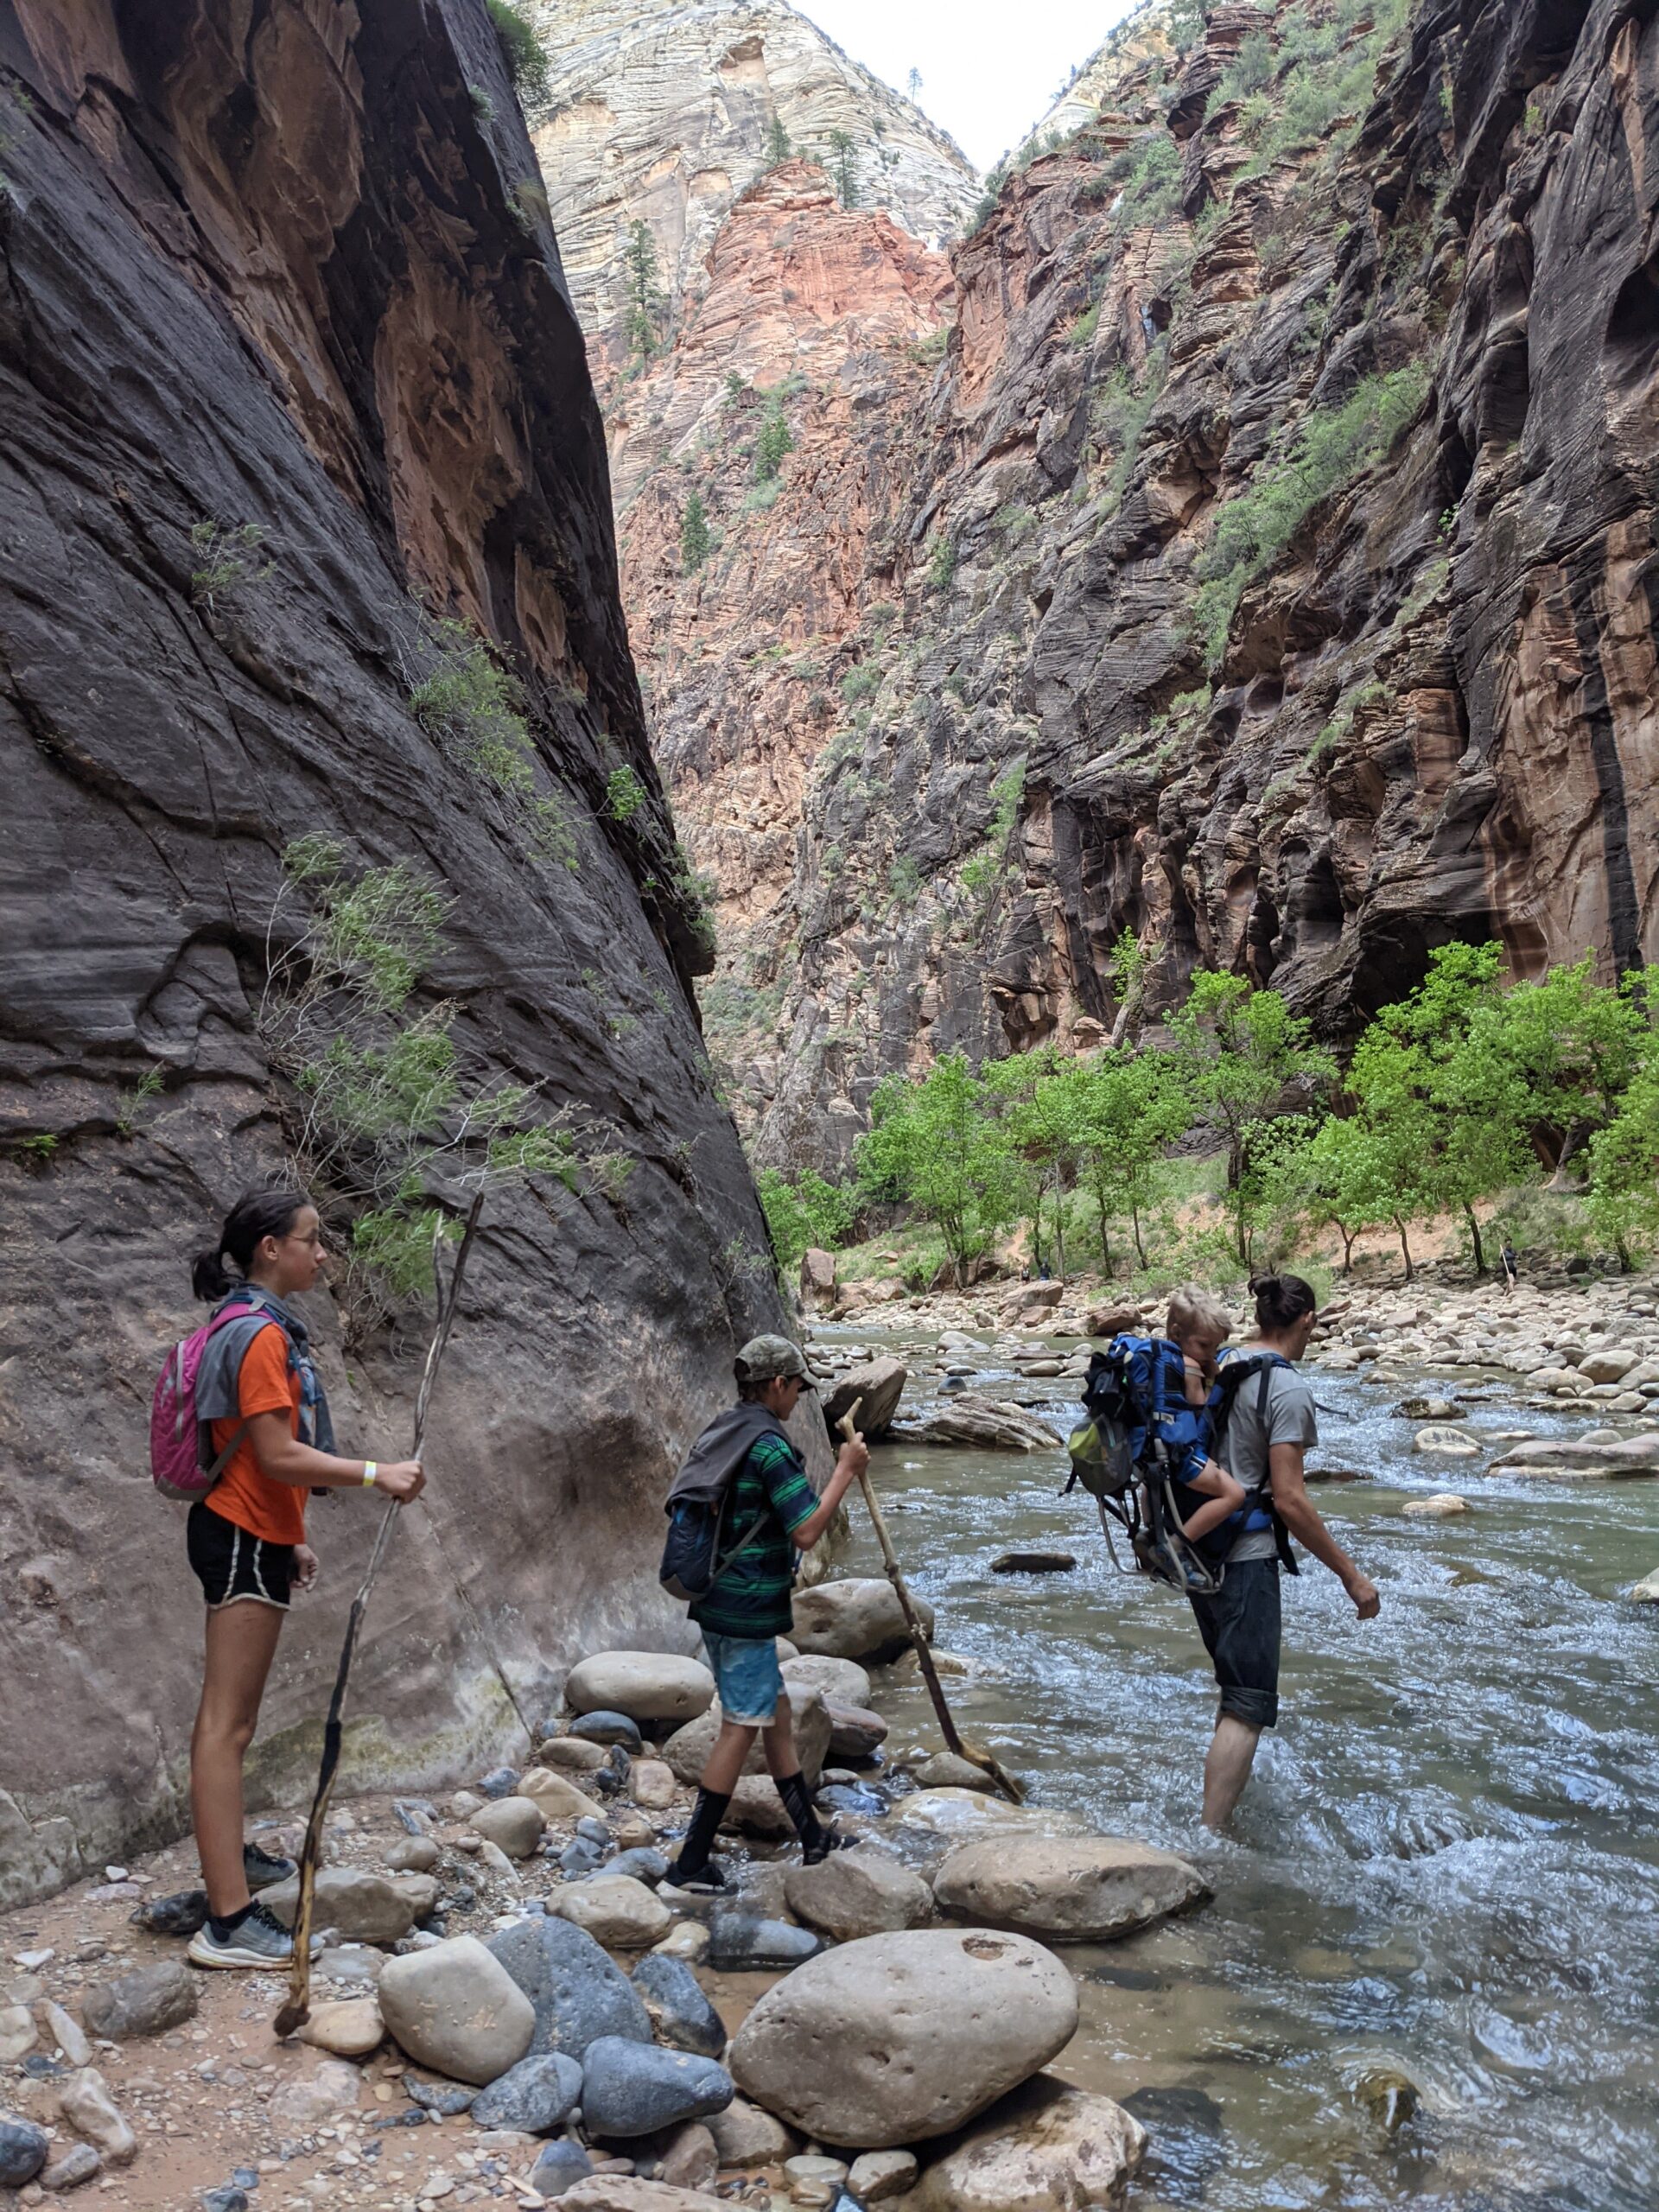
[{"x": 746, "y": 1675}]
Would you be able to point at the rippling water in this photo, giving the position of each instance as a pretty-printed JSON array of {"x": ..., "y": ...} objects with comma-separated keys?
[{"x": 1444, "y": 1867}]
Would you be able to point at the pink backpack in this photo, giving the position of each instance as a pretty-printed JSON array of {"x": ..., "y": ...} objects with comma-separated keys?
[{"x": 176, "y": 1465}]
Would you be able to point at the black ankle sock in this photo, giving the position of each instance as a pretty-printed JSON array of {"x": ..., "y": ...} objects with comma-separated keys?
[
  {"x": 230, "y": 1922},
  {"x": 699, "y": 1838},
  {"x": 797, "y": 1803}
]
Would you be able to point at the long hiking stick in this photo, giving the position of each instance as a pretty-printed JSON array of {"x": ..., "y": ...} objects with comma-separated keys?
[
  {"x": 976, "y": 1754},
  {"x": 294, "y": 2014}
]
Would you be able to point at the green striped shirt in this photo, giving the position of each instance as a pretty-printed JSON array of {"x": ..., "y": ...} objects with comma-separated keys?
[{"x": 750, "y": 1599}]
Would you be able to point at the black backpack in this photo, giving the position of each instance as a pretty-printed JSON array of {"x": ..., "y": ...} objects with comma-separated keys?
[{"x": 693, "y": 1557}]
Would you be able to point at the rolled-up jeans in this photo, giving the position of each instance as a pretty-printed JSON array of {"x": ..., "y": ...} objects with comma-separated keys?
[{"x": 1239, "y": 1623}]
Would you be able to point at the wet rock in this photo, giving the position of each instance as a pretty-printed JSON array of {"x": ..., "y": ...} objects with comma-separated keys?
[
  {"x": 894, "y": 2039},
  {"x": 416, "y": 1854},
  {"x": 631, "y": 2089},
  {"x": 1430, "y": 1409},
  {"x": 843, "y": 1681},
  {"x": 85, "y": 2101},
  {"x": 1033, "y": 1563},
  {"x": 601, "y": 1726},
  {"x": 1444, "y": 1442},
  {"x": 364, "y": 1907},
  {"x": 147, "y": 2002},
  {"x": 679, "y": 2007},
  {"x": 944, "y": 1770},
  {"x": 814, "y": 2180},
  {"x": 560, "y": 2166},
  {"x": 24, "y": 2149},
  {"x": 741, "y": 1942},
  {"x": 860, "y": 1617},
  {"x": 1646, "y": 1592},
  {"x": 746, "y": 2136},
  {"x": 556, "y": 1798},
  {"x": 18, "y": 2033},
  {"x": 1047, "y": 2148},
  {"x": 879, "y": 1384},
  {"x": 350, "y": 2027},
  {"x": 183, "y": 1913},
  {"x": 534, "y": 2097},
  {"x": 856, "y": 1732},
  {"x": 644, "y": 1684},
  {"x": 757, "y": 1809},
  {"x": 854, "y": 1893},
  {"x": 964, "y": 1815},
  {"x": 1082, "y": 1889},
  {"x": 71, "y": 2169},
  {"x": 879, "y": 2175},
  {"x": 614, "y": 1909},
  {"x": 576, "y": 1993},
  {"x": 1441, "y": 1507},
  {"x": 456, "y": 2008},
  {"x": 687, "y": 1749},
  {"x": 1388, "y": 2095},
  {"x": 976, "y": 1424},
  {"x": 512, "y": 1824}
]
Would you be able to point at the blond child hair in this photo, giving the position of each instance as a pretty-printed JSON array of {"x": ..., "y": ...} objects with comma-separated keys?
[{"x": 1194, "y": 1311}]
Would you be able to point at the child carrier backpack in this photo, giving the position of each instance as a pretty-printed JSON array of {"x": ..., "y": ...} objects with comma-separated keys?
[
  {"x": 696, "y": 1554},
  {"x": 1136, "y": 1438},
  {"x": 182, "y": 1463}
]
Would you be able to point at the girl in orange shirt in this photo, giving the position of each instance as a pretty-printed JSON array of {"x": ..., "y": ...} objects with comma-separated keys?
[{"x": 246, "y": 1538}]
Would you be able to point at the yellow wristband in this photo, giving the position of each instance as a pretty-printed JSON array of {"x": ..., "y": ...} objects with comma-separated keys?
[{"x": 371, "y": 1469}]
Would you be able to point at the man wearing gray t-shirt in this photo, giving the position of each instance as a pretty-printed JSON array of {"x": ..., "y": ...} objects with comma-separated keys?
[{"x": 1269, "y": 1431}]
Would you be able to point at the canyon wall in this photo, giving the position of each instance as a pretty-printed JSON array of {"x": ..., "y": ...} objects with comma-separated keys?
[
  {"x": 663, "y": 113},
  {"x": 1262, "y": 565},
  {"x": 277, "y": 271}
]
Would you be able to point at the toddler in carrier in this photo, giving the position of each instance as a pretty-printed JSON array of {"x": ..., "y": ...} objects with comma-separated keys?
[{"x": 1204, "y": 1494}]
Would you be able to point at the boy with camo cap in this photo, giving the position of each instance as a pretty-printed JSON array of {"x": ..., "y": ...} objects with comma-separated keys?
[{"x": 746, "y": 1608}]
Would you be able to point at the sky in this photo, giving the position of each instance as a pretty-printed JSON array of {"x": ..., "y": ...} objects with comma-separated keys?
[{"x": 988, "y": 70}]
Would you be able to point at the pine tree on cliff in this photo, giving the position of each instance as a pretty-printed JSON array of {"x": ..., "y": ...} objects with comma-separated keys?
[
  {"x": 644, "y": 294},
  {"x": 693, "y": 535},
  {"x": 843, "y": 166},
  {"x": 778, "y": 146}
]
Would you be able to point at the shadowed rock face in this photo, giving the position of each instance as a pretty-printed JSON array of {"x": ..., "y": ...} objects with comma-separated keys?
[
  {"x": 270, "y": 270},
  {"x": 1431, "y": 711}
]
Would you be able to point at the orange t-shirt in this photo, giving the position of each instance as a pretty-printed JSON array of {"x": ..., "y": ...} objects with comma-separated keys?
[{"x": 271, "y": 1509}]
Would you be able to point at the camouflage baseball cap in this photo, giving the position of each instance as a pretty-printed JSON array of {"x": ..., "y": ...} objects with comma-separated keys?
[{"x": 763, "y": 1357}]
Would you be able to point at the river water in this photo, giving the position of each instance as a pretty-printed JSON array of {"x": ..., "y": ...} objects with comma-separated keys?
[{"x": 1445, "y": 1866}]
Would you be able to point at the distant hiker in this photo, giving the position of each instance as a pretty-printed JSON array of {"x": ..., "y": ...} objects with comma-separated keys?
[
  {"x": 766, "y": 1513},
  {"x": 1269, "y": 1429},
  {"x": 245, "y": 1539},
  {"x": 1512, "y": 1267}
]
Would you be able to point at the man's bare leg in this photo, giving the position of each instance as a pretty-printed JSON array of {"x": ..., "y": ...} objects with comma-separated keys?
[{"x": 1227, "y": 1769}]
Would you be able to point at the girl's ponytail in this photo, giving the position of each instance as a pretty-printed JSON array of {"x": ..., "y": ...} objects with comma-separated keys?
[{"x": 256, "y": 1215}]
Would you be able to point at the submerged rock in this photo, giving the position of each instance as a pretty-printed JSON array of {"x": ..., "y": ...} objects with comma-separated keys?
[{"x": 986, "y": 1425}]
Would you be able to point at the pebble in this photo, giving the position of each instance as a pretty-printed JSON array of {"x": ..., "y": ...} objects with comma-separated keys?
[
  {"x": 879, "y": 2175},
  {"x": 559, "y": 2167},
  {"x": 85, "y": 2103},
  {"x": 443, "y": 2099},
  {"x": 67, "y": 2034},
  {"x": 182, "y": 1913},
  {"x": 78, "y": 2164}
]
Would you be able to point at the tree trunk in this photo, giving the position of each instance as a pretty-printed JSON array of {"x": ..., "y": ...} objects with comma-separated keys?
[
  {"x": 1347, "y": 1237},
  {"x": 1059, "y": 1229},
  {"x": 1134, "y": 1222},
  {"x": 1404, "y": 1247},
  {"x": 1474, "y": 1231}
]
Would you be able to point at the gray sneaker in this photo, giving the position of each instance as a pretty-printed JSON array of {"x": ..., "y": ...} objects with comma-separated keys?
[
  {"x": 262, "y": 1870},
  {"x": 259, "y": 1939}
]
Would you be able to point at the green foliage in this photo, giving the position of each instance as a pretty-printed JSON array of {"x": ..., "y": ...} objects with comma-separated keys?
[
  {"x": 1624, "y": 1155},
  {"x": 1082, "y": 332},
  {"x": 695, "y": 539},
  {"x": 860, "y": 682},
  {"x": 778, "y": 146},
  {"x": 1186, "y": 23},
  {"x": 1150, "y": 174},
  {"x": 995, "y": 181},
  {"x": 759, "y": 498},
  {"x": 843, "y": 166},
  {"x": 1250, "y": 70},
  {"x": 230, "y": 561},
  {"x": 41, "y": 1149},
  {"x": 135, "y": 1098},
  {"x": 526, "y": 61},
  {"x": 772, "y": 441},
  {"x": 642, "y": 324},
  {"x": 623, "y": 794},
  {"x": 934, "y": 1144},
  {"x": 472, "y": 707},
  {"x": 982, "y": 873},
  {"x": 530, "y": 206},
  {"x": 1330, "y": 448},
  {"x": 905, "y": 882},
  {"x": 942, "y": 565},
  {"x": 806, "y": 1212}
]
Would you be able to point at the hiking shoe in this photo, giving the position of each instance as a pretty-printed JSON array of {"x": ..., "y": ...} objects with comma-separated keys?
[
  {"x": 258, "y": 1939},
  {"x": 263, "y": 1871},
  {"x": 829, "y": 1840},
  {"x": 709, "y": 1881}
]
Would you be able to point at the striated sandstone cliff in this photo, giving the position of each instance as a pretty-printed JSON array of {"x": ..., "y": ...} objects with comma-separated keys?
[
  {"x": 1268, "y": 568},
  {"x": 270, "y": 270},
  {"x": 665, "y": 113}
]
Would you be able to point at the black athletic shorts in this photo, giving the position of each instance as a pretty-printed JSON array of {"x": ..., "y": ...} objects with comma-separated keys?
[
  {"x": 230, "y": 1564},
  {"x": 1239, "y": 1623}
]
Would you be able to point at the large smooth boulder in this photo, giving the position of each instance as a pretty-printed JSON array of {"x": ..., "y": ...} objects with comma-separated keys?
[
  {"x": 643, "y": 1685},
  {"x": 1046, "y": 2148},
  {"x": 1610, "y": 1366},
  {"x": 687, "y": 1749},
  {"x": 1074, "y": 1889},
  {"x": 843, "y": 1681},
  {"x": 1552, "y": 1455},
  {"x": 896, "y": 2039},
  {"x": 678, "y": 2006},
  {"x": 858, "y": 1618},
  {"x": 454, "y": 2008},
  {"x": 875, "y": 1389},
  {"x": 856, "y": 1732},
  {"x": 819, "y": 1289},
  {"x": 534, "y": 2097},
  {"x": 364, "y": 1907},
  {"x": 575, "y": 1992},
  {"x": 853, "y": 1893},
  {"x": 976, "y": 1424},
  {"x": 512, "y": 1824},
  {"x": 1032, "y": 1298},
  {"x": 147, "y": 2002},
  {"x": 631, "y": 2089},
  {"x": 615, "y": 1910}
]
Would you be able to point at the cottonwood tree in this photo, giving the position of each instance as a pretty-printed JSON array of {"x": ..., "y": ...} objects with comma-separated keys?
[{"x": 936, "y": 1145}]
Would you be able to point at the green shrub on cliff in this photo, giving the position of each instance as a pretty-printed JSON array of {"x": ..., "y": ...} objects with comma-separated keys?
[
  {"x": 694, "y": 540},
  {"x": 525, "y": 59},
  {"x": 473, "y": 707}
]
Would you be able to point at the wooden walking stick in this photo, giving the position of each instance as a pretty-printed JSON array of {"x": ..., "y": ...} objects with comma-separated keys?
[
  {"x": 294, "y": 2014},
  {"x": 976, "y": 1754}
]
